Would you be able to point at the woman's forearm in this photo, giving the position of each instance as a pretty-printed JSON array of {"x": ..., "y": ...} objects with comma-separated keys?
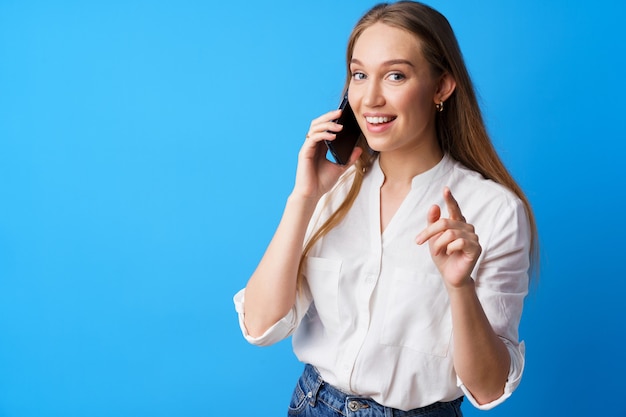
[
  {"x": 271, "y": 290},
  {"x": 481, "y": 359}
]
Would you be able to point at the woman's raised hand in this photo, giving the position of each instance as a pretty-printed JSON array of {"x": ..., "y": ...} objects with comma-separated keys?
[
  {"x": 316, "y": 175},
  {"x": 453, "y": 242}
]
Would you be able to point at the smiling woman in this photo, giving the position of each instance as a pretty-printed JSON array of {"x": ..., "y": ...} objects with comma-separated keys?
[
  {"x": 393, "y": 306},
  {"x": 390, "y": 73}
]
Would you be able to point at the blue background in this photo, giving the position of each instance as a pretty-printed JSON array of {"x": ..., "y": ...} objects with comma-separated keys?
[{"x": 146, "y": 151}]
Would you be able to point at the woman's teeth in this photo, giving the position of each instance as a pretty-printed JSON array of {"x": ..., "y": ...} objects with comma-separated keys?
[{"x": 378, "y": 120}]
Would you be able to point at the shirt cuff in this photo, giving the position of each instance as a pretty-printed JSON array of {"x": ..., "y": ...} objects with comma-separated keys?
[
  {"x": 516, "y": 369},
  {"x": 280, "y": 330}
]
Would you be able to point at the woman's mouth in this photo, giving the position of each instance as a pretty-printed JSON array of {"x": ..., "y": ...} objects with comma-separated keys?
[
  {"x": 378, "y": 120},
  {"x": 379, "y": 124}
]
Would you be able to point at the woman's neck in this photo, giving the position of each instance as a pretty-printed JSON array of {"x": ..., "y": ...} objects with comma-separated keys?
[{"x": 401, "y": 167}]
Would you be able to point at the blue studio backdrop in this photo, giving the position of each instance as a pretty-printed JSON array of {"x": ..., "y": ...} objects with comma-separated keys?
[{"x": 146, "y": 151}]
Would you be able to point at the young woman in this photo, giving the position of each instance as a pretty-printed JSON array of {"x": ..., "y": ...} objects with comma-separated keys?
[{"x": 376, "y": 267}]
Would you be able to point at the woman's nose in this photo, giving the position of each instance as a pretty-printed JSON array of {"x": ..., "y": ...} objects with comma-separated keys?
[{"x": 373, "y": 95}]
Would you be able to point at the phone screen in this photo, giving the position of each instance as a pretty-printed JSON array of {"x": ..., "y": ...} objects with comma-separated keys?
[{"x": 341, "y": 147}]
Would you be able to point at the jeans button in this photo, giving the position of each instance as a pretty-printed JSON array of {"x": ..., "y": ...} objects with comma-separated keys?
[{"x": 353, "y": 406}]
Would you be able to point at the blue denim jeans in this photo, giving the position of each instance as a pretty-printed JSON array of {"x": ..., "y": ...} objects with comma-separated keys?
[{"x": 312, "y": 397}]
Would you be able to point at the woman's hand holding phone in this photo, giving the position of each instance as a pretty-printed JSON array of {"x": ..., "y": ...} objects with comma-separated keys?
[{"x": 315, "y": 174}]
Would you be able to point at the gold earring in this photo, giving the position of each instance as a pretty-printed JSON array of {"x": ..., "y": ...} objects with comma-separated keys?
[{"x": 439, "y": 106}]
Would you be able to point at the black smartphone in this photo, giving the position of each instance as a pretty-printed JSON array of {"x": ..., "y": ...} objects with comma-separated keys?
[{"x": 341, "y": 147}]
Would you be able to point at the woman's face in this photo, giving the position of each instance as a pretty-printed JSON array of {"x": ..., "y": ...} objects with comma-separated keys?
[{"x": 392, "y": 90}]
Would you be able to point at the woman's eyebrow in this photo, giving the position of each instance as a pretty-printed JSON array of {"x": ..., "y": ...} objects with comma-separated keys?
[{"x": 387, "y": 63}]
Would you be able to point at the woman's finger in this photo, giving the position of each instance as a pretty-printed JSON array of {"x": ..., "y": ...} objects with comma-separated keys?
[
  {"x": 327, "y": 117},
  {"x": 467, "y": 246},
  {"x": 323, "y": 129},
  {"x": 454, "y": 211},
  {"x": 325, "y": 122},
  {"x": 356, "y": 152},
  {"x": 453, "y": 240},
  {"x": 441, "y": 226}
]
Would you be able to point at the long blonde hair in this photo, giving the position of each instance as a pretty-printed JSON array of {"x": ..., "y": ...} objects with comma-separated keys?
[{"x": 461, "y": 131}]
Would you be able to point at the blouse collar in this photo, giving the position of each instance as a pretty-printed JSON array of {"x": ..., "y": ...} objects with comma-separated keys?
[{"x": 425, "y": 178}]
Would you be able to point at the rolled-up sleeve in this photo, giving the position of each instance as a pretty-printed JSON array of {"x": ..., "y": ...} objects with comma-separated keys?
[
  {"x": 516, "y": 369},
  {"x": 280, "y": 330},
  {"x": 501, "y": 286}
]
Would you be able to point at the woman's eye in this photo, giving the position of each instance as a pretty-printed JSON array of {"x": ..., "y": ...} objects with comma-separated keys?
[
  {"x": 358, "y": 75},
  {"x": 396, "y": 76}
]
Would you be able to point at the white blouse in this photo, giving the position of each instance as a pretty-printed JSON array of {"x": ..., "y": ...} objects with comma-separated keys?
[{"x": 375, "y": 318}]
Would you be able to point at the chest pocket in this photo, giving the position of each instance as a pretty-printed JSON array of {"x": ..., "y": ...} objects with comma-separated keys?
[
  {"x": 417, "y": 313},
  {"x": 322, "y": 275}
]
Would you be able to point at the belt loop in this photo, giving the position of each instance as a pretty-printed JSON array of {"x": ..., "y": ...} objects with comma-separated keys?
[{"x": 316, "y": 383}]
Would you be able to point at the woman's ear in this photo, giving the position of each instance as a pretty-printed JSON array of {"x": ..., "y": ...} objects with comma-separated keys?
[{"x": 445, "y": 88}]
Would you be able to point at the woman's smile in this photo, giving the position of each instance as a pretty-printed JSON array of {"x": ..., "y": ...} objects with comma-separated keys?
[{"x": 378, "y": 123}]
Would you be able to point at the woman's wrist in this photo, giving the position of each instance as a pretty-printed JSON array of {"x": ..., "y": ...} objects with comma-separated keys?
[
  {"x": 300, "y": 198},
  {"x": 466, "y": 286},
  {"x": 301, "y": 202}
]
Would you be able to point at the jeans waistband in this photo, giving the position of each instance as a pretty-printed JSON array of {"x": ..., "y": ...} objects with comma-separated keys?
[{"x": 353, "y": 405}]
